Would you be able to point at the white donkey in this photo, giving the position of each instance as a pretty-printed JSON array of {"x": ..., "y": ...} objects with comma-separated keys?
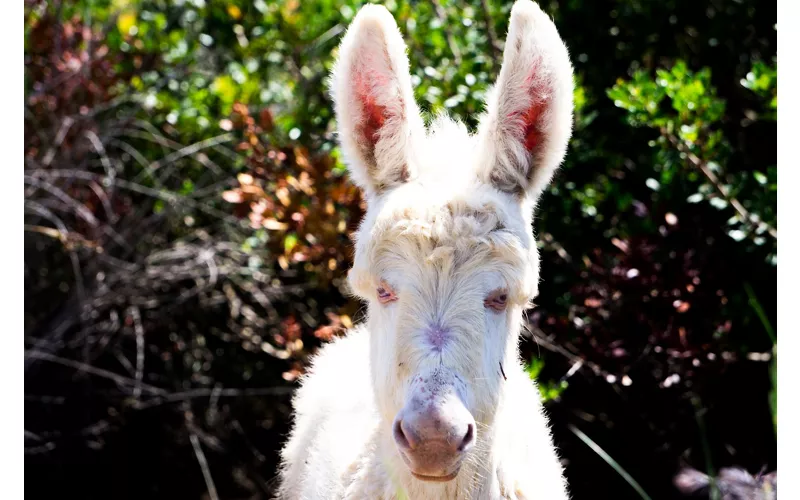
[{"x": 428, "y": 398}]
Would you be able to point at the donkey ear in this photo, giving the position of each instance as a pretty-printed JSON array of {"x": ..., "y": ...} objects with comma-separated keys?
[
  {"x": 375, "y": 107},
  {"x": 528, "y": 120}
]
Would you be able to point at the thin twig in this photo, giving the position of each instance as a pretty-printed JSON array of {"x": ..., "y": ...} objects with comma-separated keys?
[
  {"x": 32, "y": 435},
  {"x": 79, "y": 208},
  {"x": 497, "y": 50},
  {"x": 191, "y": 150},
  {"x": 124, "y": 362},
  {"x": 257, "y": 454},
  {"x": 714, "y": 492},
  {"x": 38, "y": 450},
  {"x": 201, "y": 459},
  {"x": 750, "y": 219},
  {"x": 139, "y": 331},
  {"x": 545, "y": 342},
  {"x": 442, "y": 15},
  {"x": 166, "y": 196},
  {"x": 756, "y": 305},
  {"x": 86, "y": 368},
  {"x": 177, "y": 397},
  {"x": 111, "y": 216},
  {"x": 97, "y": 144},
  {"x": 610, "y": 461},
  {"x": 60, "y": 135},
  {"x": 80, "y": 289}
]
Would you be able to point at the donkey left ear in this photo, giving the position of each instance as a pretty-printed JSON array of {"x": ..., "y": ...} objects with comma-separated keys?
[
  {"x": 528, "y": 121},
  {"x": 378, "y": 118}
]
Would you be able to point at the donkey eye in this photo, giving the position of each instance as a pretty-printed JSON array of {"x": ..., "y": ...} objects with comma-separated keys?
[
  {"x": 497, "y": 300},
  {"x": 386, "y": 294}
]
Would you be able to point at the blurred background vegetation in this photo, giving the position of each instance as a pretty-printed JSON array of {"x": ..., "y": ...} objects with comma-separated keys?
[{"x": 187, "y": 221}]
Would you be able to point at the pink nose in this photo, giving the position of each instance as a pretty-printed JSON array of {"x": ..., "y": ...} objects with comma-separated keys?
[{"x": 433, "y": 441}]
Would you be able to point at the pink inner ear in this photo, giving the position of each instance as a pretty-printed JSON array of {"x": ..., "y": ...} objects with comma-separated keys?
[
  {"x": 531, "y": 118},
  {"x": 374, "y": 114},
  {"x": 531, "y": 132}
]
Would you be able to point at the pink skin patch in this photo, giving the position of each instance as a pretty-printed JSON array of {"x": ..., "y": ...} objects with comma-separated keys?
[
  {"x": 437, "y": 336},
  {"x": 530, "y": 117},
  {"x": 532, "y": 134},
  {"x": 374, "y": 114}
]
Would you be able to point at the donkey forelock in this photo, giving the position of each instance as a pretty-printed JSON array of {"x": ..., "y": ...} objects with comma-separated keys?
[{"x": 452, "y": 235}]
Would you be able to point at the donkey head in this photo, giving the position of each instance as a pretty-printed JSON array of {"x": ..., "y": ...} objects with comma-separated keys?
[{"x": 445, "y": 256}]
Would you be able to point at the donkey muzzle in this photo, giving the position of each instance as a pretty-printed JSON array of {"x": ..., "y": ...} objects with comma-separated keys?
[{"x": 434, "y": 430}]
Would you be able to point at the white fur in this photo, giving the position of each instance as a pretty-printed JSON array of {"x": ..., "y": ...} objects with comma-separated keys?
[
  {"x": 536, "y": 68},
  {"x": 448, "y": 222},
  {"x": 374, "y": 54}
]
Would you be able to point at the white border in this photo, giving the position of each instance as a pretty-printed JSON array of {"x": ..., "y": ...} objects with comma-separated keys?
[
  {"x": 11, "y": 135},
  {"x": 788, "y": 84},
  {"x": 12, "y": 36}
]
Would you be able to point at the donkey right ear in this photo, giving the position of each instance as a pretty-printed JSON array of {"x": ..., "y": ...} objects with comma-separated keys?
[
  {"x": 528, "y": 121},
  {"x": 375, "y": 108}
]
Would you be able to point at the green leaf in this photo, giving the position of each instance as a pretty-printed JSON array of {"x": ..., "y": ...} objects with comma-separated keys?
[
  {"x": 534, "y": 368},
  {"x": 187, "y": 187},
  {"x": 289, "y": 242},
  {"x": 225, "y": 88},
  {"x": 773, "y": 393},
  {"x": 126, "y": 21}
]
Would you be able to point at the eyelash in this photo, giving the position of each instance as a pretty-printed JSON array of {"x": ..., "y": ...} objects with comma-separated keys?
[
  {"x": 385, "y": 294},
  {"x": 497, "y": 301}
]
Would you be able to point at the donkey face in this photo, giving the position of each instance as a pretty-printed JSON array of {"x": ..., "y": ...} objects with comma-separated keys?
[{"x": 445, "y": 256}]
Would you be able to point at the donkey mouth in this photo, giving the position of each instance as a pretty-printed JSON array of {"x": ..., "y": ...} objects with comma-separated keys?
[
  {"x": 424, "y": 470},
  {"x": 436, "y": 479}
]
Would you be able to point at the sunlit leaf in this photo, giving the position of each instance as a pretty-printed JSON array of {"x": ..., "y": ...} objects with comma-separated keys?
[{"x": 126, "y": 21}]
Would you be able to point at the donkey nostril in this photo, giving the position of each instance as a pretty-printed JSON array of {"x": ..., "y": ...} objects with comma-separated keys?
[
  {"x": 400, "y": 436},
  {"x": 469, "y": 438}
]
